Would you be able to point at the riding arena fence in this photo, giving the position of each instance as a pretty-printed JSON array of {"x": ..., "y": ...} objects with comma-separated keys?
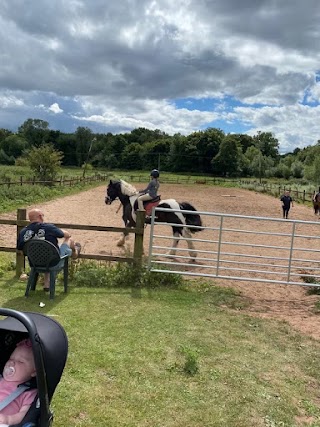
[
  {"x": 235, "y": 247},
  {"x": 138, "y": 231},
  {"x": 260, "y": 186},
  {"x": 61, "y": 181},
  {"x": 246, "y": 248}
]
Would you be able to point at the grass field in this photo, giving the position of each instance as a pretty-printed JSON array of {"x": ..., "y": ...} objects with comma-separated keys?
[{"x": 175, "y": 357}]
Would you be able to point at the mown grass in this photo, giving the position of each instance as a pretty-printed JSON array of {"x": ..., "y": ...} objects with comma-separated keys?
[{"x": 174, "y": 356}]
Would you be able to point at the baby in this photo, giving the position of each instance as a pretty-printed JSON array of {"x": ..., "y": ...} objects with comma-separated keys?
[{"x": 18, "y": 369}]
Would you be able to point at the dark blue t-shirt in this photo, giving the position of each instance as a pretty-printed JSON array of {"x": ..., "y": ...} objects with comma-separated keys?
[
  {"x": 39, "y": 230},
  {"x": 286, "y": 200}
]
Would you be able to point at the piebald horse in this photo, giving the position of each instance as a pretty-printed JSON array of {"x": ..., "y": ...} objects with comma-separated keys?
[{"x": 183, "y": 222}]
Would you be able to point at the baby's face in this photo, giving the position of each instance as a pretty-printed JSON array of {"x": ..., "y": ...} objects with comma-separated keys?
[{"x": 20, "y": 366}]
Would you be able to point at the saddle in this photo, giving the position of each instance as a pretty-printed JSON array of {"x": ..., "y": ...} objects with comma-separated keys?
[{"x": 149, "y": 204}]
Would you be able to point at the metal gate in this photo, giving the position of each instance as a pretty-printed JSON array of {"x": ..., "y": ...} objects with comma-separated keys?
[{"x": 237, "y": 247}]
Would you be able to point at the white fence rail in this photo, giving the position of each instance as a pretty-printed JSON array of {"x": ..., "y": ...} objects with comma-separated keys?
[{"x": 237, "y": 247}]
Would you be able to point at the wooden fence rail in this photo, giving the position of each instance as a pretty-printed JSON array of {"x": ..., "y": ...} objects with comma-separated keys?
[
  {"x": 299, "y": 195},
  {"x": 302, "y": 196},
  {"x": 138, "y": 231},
  {"x": 62, "y": 181}
]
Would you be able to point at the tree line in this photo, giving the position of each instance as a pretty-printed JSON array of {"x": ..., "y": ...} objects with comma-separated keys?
[{"x": 210, "y": 152}]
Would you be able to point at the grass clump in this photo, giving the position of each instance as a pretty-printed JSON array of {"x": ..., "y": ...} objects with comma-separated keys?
[
  {"x": 191, "y": 364},
  {"x": 7, "y": 263}
]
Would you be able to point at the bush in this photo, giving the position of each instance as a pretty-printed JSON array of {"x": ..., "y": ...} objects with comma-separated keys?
[
  {"x": 44, "y": 161},
  {"x": 94, "y": 274}
]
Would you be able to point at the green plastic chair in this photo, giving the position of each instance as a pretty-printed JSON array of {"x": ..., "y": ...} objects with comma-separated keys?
[{"x": 44, "y": 257}]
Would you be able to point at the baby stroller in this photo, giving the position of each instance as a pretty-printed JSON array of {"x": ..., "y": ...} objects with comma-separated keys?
[{"x": 50, "y": 349}]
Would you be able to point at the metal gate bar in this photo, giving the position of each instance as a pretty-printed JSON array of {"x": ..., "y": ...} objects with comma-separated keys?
[{"x": 283, "y": 258}]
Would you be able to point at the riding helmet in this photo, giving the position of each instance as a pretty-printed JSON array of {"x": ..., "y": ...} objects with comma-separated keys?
[{"x": 155, "y": 173}]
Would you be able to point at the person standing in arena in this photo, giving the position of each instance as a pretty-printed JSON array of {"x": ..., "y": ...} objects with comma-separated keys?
[{"x": 287, "y": 202}]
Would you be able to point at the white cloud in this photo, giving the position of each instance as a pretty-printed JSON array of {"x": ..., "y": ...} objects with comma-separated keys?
[
  {"x": 295, "y": 126},
  {"x": 119, "y": 65},
  {"x": 10, "y": 101},
  {"x": 149, "y": 114},
  {"x": 314, "y": 93},
  {"x": 54, "y": 108}
]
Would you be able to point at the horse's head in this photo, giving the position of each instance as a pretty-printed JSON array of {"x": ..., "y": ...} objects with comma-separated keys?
[{"x": 113, "y": 190}]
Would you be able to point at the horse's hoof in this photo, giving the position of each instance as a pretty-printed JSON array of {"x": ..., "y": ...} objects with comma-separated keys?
[{"x": 119, "y": 244}]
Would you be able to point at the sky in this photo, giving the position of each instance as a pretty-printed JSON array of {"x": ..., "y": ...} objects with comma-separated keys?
[{"x": 179, "y": 66}]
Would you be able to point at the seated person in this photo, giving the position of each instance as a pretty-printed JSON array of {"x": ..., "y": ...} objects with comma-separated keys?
[
  {"x": 151, "y": 191},
  {"x": 38, "y": 229},
  {"x": 19, "y": 368}
]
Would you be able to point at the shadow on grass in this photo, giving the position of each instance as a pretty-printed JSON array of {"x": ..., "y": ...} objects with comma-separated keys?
[
  {"x": 35, "y": 300},
  {"x": 84, "y": 290}
]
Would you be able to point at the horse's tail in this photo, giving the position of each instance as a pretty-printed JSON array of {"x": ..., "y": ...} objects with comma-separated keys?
[{"x": 191, "y": 219}]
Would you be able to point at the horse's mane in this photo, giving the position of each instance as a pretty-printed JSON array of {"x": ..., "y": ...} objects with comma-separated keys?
[{"x": 127, "y": 189}]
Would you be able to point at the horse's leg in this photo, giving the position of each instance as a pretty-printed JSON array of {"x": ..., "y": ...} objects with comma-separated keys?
[
  {"x": 125, "y": 216},
  {"x": 122, "y": 240},
  {"x": 186, "y": 233},
  {"x": 176, "y": 239}
]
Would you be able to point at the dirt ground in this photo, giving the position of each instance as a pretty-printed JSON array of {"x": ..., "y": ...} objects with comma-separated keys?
[{"x": 284, "y": 302}]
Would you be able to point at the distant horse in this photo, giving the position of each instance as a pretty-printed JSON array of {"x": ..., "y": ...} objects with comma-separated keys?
[
  {"x": 316, "y": 203},
  {"x": 128, "y": 194}
]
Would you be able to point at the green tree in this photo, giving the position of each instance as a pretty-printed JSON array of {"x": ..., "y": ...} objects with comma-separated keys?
[
  {"x": 44, "y": 161},
  {"x": 245, "y": 141},
  {"x": 4, "y": 133},
  {"x": 143, "y": 135},
  {"x": 5, "y": 159},
  {"x": 83, "y": 137},
  {"x": 111, "y": 161},
  {"x": 155, "y": 154},
  {"x": 131, "y": 157},
  {"x": 297, "y": 169},
  {"x": 267, "y": 144},
  {"x": 183, "y": 155},
  {"x": 14, "y": 145},
  {"x": 259, "y": 164},
  {"x": 35, "y": 131},
  {"x": 110, "y": 149},
  {"x": 207, "y": 144},
  {"x": 227, "y": 161},
  {"x": 66, "y": 143}
]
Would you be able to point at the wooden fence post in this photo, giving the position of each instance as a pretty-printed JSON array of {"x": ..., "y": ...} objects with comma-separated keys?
[
  {"x": 20, "y": 260},
  {"x": 138, "y": 253},
  {"x": 138, "y": 238}
]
